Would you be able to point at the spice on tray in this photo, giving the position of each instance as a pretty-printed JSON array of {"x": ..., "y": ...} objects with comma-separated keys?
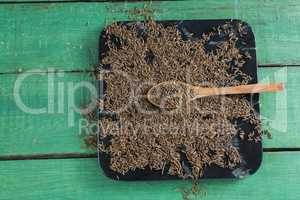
[
  {"x": 169, "y": 95},
  {"x": 144, "y": 54}
]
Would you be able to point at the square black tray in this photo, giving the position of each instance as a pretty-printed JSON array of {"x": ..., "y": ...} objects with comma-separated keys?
[{"x": 250, "y": 151}]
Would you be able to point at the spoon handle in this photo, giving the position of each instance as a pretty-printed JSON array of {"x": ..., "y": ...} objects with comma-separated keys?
[{"x": 242, "y": 89}]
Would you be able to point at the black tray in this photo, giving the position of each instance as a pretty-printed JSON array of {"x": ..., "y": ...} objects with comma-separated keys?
[{"x": 250, "y": 151}]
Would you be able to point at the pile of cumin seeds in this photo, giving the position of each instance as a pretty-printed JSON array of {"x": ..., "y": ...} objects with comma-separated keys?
[
  {"x": 143, "y": 54},
  {"x": 169, "y": 95}
]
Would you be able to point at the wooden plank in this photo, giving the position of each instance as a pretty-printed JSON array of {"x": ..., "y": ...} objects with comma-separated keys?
[
  {"x": 44, "y": 1},
  {"x": 26, "y": 134},
  {"x": 54, "y": 130},
  {"x": 50, "y": 1},
  {"x": 82, "y": 179},
  {"x": 65, "y": 36},
  {"x": 49, "y": 35}
]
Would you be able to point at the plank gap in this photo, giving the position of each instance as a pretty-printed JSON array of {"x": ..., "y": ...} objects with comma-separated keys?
[
  {"x": 94, "y": 155},
  {"x": 93, "y": 71},
  {"x": 281, "y": 149},
  {"x": 48, "y": 72},
  {"x": 48, "y": 156},
  {"x": 76, "y": 1},
  {"x": 279, "y": 65}
]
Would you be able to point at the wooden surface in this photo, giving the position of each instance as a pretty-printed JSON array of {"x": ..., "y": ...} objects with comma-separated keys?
[
  {"x": 62, "y": 39},
  {"x": 25, "y": 133},
  {"x": 65, "y": 35},
  {"x": 82, "y": 179}
]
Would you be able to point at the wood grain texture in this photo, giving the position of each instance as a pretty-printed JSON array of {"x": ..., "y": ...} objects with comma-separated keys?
[
  {"x": 25, "y": 134},
  {"x": 241, "y": 89},
  {"x": 57, "y": 128},
  {"x": 65, "y": 36},
  {"x": 82, "y": 179}
]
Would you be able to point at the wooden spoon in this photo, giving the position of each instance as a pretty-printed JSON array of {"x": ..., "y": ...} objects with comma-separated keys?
[{"x": 170, "y": 94}]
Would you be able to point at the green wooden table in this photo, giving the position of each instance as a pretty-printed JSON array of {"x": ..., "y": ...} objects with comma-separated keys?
[{"x": 42, "y": 156}]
